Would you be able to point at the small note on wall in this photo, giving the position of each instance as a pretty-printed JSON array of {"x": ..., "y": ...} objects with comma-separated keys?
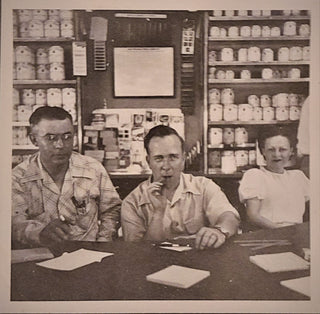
[{"x": 79, "y": 56}]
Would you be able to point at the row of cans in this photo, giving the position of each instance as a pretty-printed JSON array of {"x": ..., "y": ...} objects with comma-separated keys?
[
  {"x": 255, "y": 54},
  {"x": 289, "y": 28},
  {"x": 246, "y": 74},
  {"x": 22, "y": 113},
  {"x": 226, "y": 96},
  {"x": 25, "y": 54},
  {"x": 27, "y": 71},
  {"x": 51, "y": 96},
  {"x": 230, "y": 13},
  {"x": 246, "y": 112},
  {"x": 229, "y": 161},
  {"x": 228, "y": 136},
  {"x": 26, "y": 15},
  {"x": 47, "y": 29}
]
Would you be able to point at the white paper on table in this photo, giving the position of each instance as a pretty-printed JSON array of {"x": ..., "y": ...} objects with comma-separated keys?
[
  {"x": 277, "y": 262},
  {"x": 301, "y": 285},
  {"x": 178, "y": 276},
  {"x": 177, "y": 248},
  {"x": 73, "y": 260}
]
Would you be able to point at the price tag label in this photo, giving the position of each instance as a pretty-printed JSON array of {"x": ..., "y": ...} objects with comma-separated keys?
[{"x": 79, "y": 56}]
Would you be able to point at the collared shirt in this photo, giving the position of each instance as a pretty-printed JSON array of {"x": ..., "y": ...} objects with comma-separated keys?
[
  {"x": 87, "y": 199},
  {"x": 197, "y": 202}
]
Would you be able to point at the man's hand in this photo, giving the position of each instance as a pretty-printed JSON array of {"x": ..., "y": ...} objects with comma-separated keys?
[
  {"x": 157, "y": 200},
  {"x": 55, "y": 231},
  {"x": 207, "y": 237}
]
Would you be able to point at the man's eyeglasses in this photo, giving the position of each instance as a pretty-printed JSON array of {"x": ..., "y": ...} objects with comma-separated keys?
[{"x": 54, "y": 138}]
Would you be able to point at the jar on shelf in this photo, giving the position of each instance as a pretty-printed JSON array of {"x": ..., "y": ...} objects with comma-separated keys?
[
  {"x": 241, "y": 136},
  {"x": 51, "y": 28},
  {"x": 57, "y": 71},
  {"x": 215, "y": 136},
  {"x": 228, "y": 162},
  {"x": 28, "y": 97},
  {"x": 228, "y": 136},
  {"x": 54, "y": 97},
  {"x": 41, "y": 97}
]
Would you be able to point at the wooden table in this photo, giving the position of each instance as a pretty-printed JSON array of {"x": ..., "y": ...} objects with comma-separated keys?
[{"x": 123, "y": 275}]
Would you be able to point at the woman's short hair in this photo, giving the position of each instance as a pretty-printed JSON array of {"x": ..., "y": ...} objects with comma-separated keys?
[
  {"x": 49, "y": 113},
  {"x": 271, "y": 131},
  {"x": 161, "y": 131}
]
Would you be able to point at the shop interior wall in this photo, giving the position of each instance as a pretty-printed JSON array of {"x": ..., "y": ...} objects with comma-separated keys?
[{"x": 98, "y": 85}]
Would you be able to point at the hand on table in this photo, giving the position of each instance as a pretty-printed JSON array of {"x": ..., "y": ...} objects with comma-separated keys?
[
  {"x": 207, "y": 237},
  {"x": 55, "y": 231}
]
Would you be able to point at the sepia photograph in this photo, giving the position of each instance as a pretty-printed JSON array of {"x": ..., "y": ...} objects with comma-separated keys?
[{"x": 159, "y": 156}]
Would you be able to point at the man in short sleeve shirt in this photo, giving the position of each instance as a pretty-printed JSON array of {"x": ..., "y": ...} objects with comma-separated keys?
[{"x": 173, "y": 204}]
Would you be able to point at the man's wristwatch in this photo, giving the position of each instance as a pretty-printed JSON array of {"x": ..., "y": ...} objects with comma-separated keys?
[{"x": 223, "y": 231}]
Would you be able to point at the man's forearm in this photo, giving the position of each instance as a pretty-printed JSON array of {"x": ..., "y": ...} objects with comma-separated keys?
[
  {"x": 229, "y": 222},
  {"x": 155, "y": 229}
]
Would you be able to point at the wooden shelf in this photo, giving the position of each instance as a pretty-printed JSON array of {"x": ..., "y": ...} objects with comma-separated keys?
[
  {"x": 251, "y": 63},
  {"x": 229, "y": 147},
  {"x": 250, "y": 39},
  {"x": 251, "y": 122},
  {"x": 257, "y": 80},
  {"x": 260, "y": 18},
  {"x": 24, "y": 147},
  {"x": 217, "y": 173},
  {"x": 26, "y": 123},
  {"x": 42, "y": 39},
  {"x": 43, "y": 82}
]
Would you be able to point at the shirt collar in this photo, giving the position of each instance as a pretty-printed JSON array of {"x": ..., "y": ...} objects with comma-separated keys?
[{"x": 77, "y": 166}]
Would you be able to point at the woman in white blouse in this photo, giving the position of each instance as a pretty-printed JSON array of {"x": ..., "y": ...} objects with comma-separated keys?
[{"x": 273, "y": 196}]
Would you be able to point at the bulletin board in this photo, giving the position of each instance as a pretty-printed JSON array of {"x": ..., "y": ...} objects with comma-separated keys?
[{"x": 143, "y": 71}]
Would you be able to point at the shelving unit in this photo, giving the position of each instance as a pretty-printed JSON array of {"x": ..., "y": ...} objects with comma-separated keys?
[
  {"x": 69, "y": 82},
  {"x": 256, "y": 84}
]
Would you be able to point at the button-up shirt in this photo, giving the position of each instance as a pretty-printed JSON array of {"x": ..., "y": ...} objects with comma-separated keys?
[
  {"x": 197, "y": 202},
  {"x": 88, "y": 200}
]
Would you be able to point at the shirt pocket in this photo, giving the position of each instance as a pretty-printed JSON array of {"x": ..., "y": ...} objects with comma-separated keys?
[
  {"x": 193, "y": 225},
  {"x": 86, "y": 203}
]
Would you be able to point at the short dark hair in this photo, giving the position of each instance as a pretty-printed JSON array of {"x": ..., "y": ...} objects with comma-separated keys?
[
  {"x": 161, "y": 131},
  {"x": 271, "y": 131},
  {"x": 49, "y": 113}
]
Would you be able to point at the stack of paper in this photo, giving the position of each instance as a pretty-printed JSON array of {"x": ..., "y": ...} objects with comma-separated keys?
[
  {"x": 73, "y": 260},
  {"x": 280, "y": 262},
  {"x": 178, "y": 276},
  {"x": 301, "y": 285}
]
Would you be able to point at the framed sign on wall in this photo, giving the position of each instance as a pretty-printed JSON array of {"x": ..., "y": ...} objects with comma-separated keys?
[{"x": 143, "y": 71}]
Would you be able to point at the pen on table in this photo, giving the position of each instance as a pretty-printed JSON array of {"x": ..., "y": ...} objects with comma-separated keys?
[{"x": 169, "y": 245}]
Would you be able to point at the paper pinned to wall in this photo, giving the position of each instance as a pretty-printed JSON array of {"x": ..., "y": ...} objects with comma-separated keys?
[
  {"x": 143, "y": 71},
  {"x": 70, "y": 261}
]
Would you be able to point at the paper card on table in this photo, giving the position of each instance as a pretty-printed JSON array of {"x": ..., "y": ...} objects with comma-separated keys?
[
  {"x": 73, "y": 260},
  {"x": 177, "y": 248},
  {"x": 178, "y": 276},
  {"x": 280, "y": 262},
  {"x": 301, "y": 285},
  {"x": 28, "y": 255}
]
